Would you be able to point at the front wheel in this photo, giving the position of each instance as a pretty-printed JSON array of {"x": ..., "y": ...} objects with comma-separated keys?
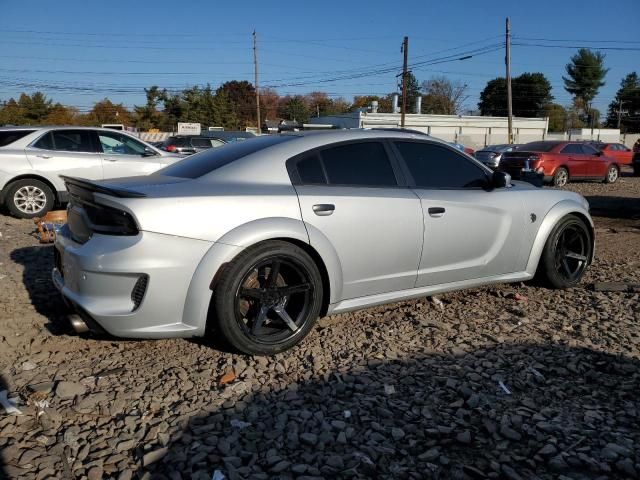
[
  {"x": 29, "y": 198},
  {"x": 561, "y": 177},
  {"x": 566, "y": 253},
  {"x": 612, "y": 174},
  {"x": 268, "y": 298}
]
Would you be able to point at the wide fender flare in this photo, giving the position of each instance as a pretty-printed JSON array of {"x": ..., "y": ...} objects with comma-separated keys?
[
  {"x": 553, "y": 216},
  {"x": 226, "y": 248}
]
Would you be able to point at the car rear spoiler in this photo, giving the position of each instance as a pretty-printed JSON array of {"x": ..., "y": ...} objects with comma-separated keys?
[{"x": 74, "y": 184}]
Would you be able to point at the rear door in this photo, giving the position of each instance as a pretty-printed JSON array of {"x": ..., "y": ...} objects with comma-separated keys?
[
  {"x": 124, "y": 156},
  {"x": 350, "y": 193},
  {"x": 470, "y": 231},
  {"x": 72, "y": 152}
]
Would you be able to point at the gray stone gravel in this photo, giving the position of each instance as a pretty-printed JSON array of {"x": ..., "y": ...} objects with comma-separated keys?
[{"x": 409, "y": 390}]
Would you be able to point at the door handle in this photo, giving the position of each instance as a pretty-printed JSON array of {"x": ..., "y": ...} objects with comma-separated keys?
[
  {"x": 436, "y": 212},
  {"x": 323, "y": 209},
  {"x": 109, "y": 159},
  {"x": 43, "y": 156}
]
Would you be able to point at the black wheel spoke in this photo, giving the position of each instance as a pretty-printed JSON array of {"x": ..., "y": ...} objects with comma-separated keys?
[
  {"x": 288, "y": 290},
  {"x": 253, "y": 293},
  {"x": 260, "y": 318},
  {"x": 282, "y": 313},
  {"x": 273, "y": 273}
]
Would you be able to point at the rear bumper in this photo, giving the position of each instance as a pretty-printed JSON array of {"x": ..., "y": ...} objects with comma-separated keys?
[{"x": 100, "y": 279}]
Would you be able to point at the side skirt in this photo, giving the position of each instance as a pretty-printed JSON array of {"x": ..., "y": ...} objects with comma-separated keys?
[{"x": 390, "y": 297}]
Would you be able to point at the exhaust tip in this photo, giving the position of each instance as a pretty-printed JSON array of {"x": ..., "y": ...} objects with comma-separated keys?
[{"x": 78, "y": 324}]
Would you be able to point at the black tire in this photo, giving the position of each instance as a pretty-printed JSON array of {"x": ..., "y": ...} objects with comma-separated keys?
[
  {"x": 29, "y": 198},
  {"x": 251, "y": 305},
  {"x": 560, "y": 177},
  {"x": 566, "y": 253},
  {"x": 613, "y": 173},
  {"x": 636, "y": 170}
]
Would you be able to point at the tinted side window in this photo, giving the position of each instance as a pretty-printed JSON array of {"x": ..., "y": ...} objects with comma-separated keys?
[
  {"x": 45, "y": 142},
  {"x": 7, "y": 137},
  {"x": 364, "y": 164},
  {"x": 310, "y": 170},
  {"x": 572, "y": 148},
  {"x": 435, "y": 166},
  {"x": 588, "y": 150},
  {"x": 73, "y": 140}
]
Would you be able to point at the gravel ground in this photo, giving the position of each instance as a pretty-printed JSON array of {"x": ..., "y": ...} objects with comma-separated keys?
[{"x": 508, "y": 381}]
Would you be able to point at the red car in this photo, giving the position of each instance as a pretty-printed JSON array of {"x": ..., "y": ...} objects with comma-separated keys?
[
  {"x": 560, "y": 161},
  {"x": 622, "y": 154}
]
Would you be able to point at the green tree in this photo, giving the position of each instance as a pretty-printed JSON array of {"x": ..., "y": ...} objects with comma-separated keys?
[
  {"x": 148, "y": 116},
  {"x": 242, "y": 101},
  {"x": 295, "y": 108},
  {"x": 557, "y": 117},
  {"x": 12, "y": 113},
  {"x": 442, "y": 96},
  {"x": 36, "y": 107},
  {"x": 413, "y": 92},
  {"x": 627, "y": 101},
  {"x": 530, "y": 93},
  {"x": 585, "y": 76}
]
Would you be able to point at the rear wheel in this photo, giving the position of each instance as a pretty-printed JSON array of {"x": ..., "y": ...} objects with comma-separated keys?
[
  {"x": 566, "y": 253},
  {"x": 29, "y": 198},
  {"x": 269, "y": 298},
  {"x": 612, "y": 174},
  {"x": 561, "y": 177}
]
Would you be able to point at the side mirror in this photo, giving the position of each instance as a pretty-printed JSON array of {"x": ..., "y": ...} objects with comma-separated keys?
[
  {"x": 599, "y": 153},
  {"x": 149, "y": 152},
  {"x": 500, "y": 179}
]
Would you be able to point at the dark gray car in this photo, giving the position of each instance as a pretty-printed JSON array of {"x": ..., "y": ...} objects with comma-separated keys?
[{"x": 491, "y": 154}]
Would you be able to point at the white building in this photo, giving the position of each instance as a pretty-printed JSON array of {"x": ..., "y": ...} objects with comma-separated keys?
[{"x": 471, "y": 131}]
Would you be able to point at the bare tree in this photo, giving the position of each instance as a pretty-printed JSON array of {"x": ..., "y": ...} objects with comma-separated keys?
[{"x": 443, "y": 96}]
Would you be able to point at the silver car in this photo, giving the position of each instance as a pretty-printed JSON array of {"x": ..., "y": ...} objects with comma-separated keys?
[
  {"x": 254, "y": 241},
  {"x": 492, "y": 154},
  {"x": 33, "y": 158}
]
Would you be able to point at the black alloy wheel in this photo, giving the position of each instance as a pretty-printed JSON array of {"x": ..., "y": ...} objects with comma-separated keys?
[
  {"x": 269, "y": 298},
  {"x": 567, "y": 252},
  {"x": 273, "y": 300}
]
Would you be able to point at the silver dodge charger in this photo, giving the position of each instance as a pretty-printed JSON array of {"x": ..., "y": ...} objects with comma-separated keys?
[{"x": 254, "y": 241}]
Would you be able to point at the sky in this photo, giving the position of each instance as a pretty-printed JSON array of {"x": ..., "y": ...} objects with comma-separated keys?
[{"x": 78, "y": 51}]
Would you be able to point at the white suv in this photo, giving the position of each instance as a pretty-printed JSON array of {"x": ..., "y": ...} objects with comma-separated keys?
[{"x": 33, "y": 158}]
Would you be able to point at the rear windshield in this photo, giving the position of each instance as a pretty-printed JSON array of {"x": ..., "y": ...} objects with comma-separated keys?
[
  {"x": 207, "y": 161},
  {"x": 177, "y": 142},
  {"x": 538, "y": 146},
  {"x": 7, "y": 137}
]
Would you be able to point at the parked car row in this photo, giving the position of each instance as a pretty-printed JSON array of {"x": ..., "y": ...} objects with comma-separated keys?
[
  {"x": 190, "y": 144},
  {"x": 558, "y": 162}
]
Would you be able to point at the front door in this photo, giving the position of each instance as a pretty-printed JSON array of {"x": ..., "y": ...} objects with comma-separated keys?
[
  {"x": 576, "y": 161},
  {"x": 125, "y": 156},
  {"x": 470, "y": 231},
  {"x": 349, "y": 193},
  {"x": 67, "y": 152}
]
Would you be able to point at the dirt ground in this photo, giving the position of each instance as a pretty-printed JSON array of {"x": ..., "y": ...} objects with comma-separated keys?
[{"x": 508, "y": 381}]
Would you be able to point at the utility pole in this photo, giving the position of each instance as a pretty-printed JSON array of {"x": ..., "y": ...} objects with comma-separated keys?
[
  {"x": 405, "y": 50},
  {"x": 620, "y": 102},
  {"x": 255, "y": 65},
  {"x": 507, "y": 59}
]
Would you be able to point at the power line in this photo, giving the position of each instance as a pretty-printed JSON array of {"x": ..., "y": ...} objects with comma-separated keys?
[{"x": 573, "y": 47}]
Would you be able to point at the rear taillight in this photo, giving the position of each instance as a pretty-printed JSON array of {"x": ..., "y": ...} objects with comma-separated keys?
[
  {"x": 110, "y": 221},
  {"x": 170, "y": 148}
]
